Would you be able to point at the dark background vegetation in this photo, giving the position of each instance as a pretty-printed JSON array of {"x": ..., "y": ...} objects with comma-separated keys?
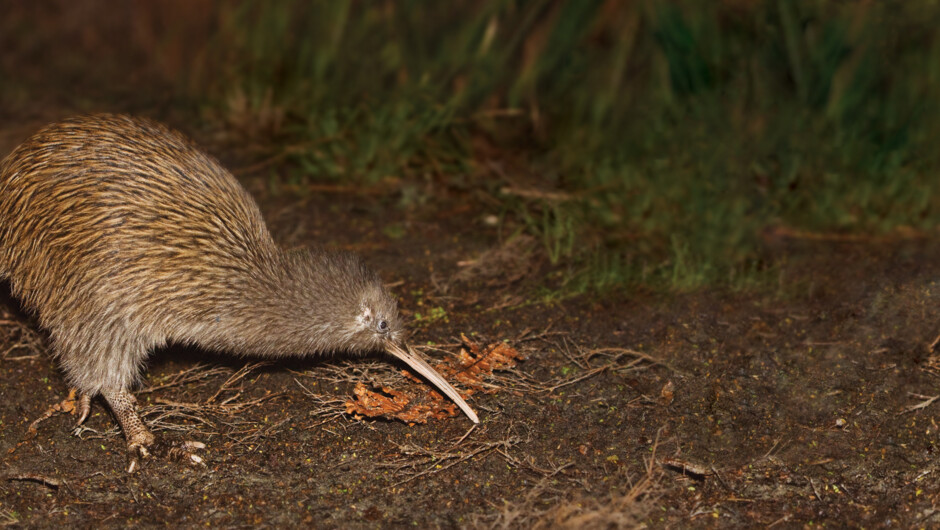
[
  {"x": 710, "y": 225},
  {"x": 651, "y": 143}
]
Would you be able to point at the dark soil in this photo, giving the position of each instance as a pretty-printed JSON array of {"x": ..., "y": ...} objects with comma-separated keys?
[
  {"x": 807, "y": 403},
  {"x": 759, "y": 408}
]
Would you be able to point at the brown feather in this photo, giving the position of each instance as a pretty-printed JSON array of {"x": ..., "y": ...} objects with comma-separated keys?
[{"x": 122, "y": 235}]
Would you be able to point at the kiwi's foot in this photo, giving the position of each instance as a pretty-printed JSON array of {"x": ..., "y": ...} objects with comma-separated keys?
[
  {"x": 140, "y": 442},
  {"x": 144, "y": 445},
  {"x": 76, "y": 403}
]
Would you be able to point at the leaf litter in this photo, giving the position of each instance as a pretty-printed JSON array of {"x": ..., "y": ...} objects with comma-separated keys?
[{"x": 472, "y": 369}]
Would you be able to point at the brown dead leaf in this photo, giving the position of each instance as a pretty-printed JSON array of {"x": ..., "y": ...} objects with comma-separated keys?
[
  {"x": 668, "y": 392},
  {"x": 473, "y": 364},
  {"x": 470, "y": 368},
  {"x": 395, "y": 404}
]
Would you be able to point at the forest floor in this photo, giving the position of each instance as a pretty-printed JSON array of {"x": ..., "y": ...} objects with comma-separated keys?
[
  {"x": 813, "y": 402},
  {"x": 808, "y": 400}
]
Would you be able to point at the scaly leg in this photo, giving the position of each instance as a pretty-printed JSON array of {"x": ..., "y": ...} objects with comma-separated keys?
[
  {"x": 139, "y": 440},
  {"x": 80, "y": 406}
]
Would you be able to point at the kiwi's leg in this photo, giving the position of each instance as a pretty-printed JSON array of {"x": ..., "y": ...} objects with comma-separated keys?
[
  {"x": 140, "y": 441},
  {"x": 76, "y": 403}
]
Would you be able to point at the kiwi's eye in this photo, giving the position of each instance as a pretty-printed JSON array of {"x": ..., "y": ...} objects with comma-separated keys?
[{"x": 383, "y": 325}]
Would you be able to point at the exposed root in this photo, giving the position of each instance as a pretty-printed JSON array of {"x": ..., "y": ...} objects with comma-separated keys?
[
  {"x": 415, "y": 462},
  {"x": 51, "y": 482},
  {"x": 226, "y": 400},
  {"x": 24, "y": 342},
  {"x": 626, "y": 509},
  {"x": 617, "y": 360},
  {"x": 926, "y": 401},
  {"x": 202, "y": 418},
  {"x": 199, "y": 373},
  {"x": 325, "y": 408}
]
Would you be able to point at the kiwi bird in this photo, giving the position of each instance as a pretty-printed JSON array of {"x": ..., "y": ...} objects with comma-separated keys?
[{"x": 121, "y": 236}]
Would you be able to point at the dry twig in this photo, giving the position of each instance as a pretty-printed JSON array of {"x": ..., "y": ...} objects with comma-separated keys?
[
  {"x": 416, "y": 462},
  {"x": 52, "y": 482},
  {"x": 927, "y": 401},
  {"x": 198, "y": 373}
]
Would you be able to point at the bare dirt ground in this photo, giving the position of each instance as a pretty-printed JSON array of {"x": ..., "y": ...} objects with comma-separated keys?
[
  {"x": 812, "y": 403},
  {"x": 706, "y": 409}
]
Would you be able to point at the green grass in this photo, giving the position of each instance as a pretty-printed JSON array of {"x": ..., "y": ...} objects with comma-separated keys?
[{"x": 675, "y": 131}]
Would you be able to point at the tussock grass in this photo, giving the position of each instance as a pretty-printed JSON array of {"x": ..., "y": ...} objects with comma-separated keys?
[{"x": 662, "y": 138}]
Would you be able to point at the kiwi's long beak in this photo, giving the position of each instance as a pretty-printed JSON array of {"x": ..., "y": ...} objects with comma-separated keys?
[{"x": 412, "y": 359}]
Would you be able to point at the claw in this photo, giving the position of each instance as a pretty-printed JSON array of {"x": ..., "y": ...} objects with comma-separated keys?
[
  {"x": 132, "y": 464},
  {"x": 76, "y": 403},
  {"x": 185, "y": 452},
  {"x": 83, "y": 407},
  {"x": 192, "y": 445},
  {"x": 134, "y": 454},
  {"x": 178, "y": 451},
  {"x": 140, "y": 442}
]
